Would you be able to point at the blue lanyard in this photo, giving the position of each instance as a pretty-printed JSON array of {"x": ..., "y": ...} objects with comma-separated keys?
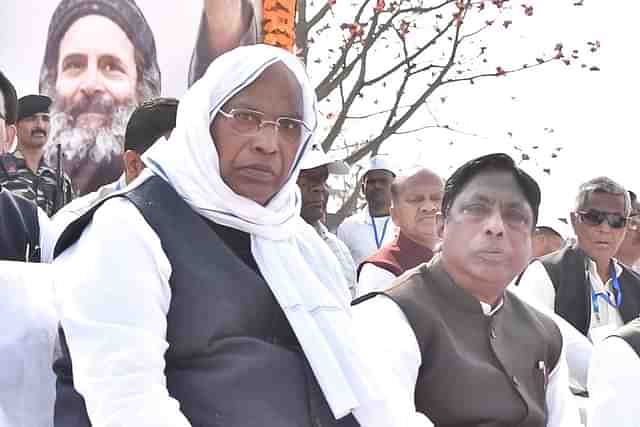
[
  {"x": 375, "y": 231},
  {"x": 605, "y": 295}
]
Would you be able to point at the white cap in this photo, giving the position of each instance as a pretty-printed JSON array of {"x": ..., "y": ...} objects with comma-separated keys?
[
  {"x": 558, "y": 224},
  {"x": 316, "y": 157},
  {"x": 379, "y": 162}
]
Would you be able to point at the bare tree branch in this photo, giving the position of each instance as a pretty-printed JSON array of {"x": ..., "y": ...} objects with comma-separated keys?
[{"x": 385, "y": 133}]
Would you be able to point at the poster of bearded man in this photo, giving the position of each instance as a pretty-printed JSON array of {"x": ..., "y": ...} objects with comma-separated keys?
[{"x": 102, "y": 59}]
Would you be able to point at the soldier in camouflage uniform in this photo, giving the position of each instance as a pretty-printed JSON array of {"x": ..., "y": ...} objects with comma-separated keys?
[{"x": 24, "y": 172}]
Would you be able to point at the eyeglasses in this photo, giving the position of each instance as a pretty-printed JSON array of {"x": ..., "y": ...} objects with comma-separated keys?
[
  {"x": 249, "y": 122},
  {"x": 595, "y": 217}
]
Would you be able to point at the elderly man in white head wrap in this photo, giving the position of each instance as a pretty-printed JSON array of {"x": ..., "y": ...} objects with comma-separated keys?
[{"x": 199, "y": 297}]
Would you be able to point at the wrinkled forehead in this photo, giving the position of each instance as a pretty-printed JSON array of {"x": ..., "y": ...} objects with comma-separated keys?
[
  {"x": 276, "y": 89},
  {"x": 421, "y": 181}
]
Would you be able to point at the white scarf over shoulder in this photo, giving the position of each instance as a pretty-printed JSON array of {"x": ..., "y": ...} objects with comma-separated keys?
[{"x": 297, "y": 265}]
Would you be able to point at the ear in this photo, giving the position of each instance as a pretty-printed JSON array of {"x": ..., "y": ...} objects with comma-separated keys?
[
  {"x": 132, "y": 165},
  {"x": 440, "y": 222},
  {"x": 574, "y": 220},
  {"x": 11, "y": 135}
]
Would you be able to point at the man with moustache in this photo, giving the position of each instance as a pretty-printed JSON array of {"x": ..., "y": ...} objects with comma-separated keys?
[
  {"x": 416, "y": 198},
  {"x": 584, "y": 283},
  {"x": 314, "y": 172},
  {"x": 468, "y": 351},
  {"x": 25, "y": 172},
  {"x": 629, "y": 251},
  {"x": 366, "y": 232}
]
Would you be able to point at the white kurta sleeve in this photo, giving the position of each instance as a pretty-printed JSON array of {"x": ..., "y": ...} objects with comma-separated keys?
[
  {"x": 46, "y": 238},
  {"x": 613, "y": 385},
  {"x": 385, "y": 332},
  {"x": 113, "y": 296},
  {"x": 373, "y": 278},
  {"x": 536, "y": 287},
  {"x": 27, "y": 339},
  {"x": 561, "y": 406}
]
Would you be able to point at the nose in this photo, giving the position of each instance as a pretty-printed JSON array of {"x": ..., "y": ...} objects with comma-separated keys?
[
  {"x": 494, "y": 225},
  {"x": 92, "y": 81},
  {"x": 428, "y": 207},
  {"x": 266, "y": 140},
  {"x": 42, "y": 122}
]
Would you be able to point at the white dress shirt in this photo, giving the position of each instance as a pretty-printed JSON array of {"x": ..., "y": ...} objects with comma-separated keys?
[
  {"x": 374, "y": 279},
  {"x": 537, "y": 289},
  {"x": 29, "y": 329},
  {"x": 613, "y": 385},
  {"x": 385, "y": 327},
  {"x": 359, "y": 234}
]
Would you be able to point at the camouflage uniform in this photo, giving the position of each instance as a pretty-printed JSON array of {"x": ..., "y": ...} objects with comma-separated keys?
[{"x": 40, "y": 187}]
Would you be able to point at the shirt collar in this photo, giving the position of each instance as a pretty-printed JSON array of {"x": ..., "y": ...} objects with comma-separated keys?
[
  {"x": 593, "y": 268},
  {"x": 488, "y": 310}
]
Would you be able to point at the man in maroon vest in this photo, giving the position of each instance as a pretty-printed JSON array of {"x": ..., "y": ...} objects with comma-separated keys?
[{"x": 416, "y": 197}]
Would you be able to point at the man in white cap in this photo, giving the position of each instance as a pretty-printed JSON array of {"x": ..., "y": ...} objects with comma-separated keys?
[
  {"x": 314, "y": 172},
  {"x": 366, "y": 232}
]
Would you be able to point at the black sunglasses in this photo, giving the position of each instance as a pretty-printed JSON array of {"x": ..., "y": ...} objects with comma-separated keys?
[{"x": 595, "y": 217}]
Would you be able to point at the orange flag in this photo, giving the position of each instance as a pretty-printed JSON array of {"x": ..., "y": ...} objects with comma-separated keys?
[{"x": 278, "y": 24}]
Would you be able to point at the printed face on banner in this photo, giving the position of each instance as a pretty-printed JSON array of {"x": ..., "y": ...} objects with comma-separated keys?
[
  {"x": 95, "y": 74},
  {"x": 95, "y": 86},
  {"x": 101, "y": 62}
]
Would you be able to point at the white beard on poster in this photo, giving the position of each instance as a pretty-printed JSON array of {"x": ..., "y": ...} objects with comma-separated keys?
[{"x": 100, "y": 62}]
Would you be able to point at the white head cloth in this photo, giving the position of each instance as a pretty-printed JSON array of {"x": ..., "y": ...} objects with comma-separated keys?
[{"x": 297, "y": 265}]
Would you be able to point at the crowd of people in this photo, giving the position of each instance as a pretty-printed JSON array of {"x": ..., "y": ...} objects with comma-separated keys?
[{"x": 204, "y": 286}]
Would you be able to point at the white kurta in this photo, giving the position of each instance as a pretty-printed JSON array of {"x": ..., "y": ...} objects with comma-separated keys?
[
  {"x": 75, "y": 210},
  {"x": 359, "y": 234},
  {"x": 385, "y": 327},
  {"x": 27, "y": 340},
  {"x": 374, "y": 279},
  {"x": 614, "y": 377}
]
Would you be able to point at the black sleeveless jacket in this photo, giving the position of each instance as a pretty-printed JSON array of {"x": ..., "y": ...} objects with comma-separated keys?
[
  {"x": 19, "y": 228},
  {"x": 233, "y": 359},
  {"x": 568, "y": 273}
]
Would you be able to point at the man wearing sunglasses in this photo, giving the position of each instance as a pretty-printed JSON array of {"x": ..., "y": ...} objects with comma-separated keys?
[{"x": 583, "y": 282}]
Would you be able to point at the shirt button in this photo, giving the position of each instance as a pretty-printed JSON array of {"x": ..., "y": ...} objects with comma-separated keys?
[{"x": 515, "y": 381}]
